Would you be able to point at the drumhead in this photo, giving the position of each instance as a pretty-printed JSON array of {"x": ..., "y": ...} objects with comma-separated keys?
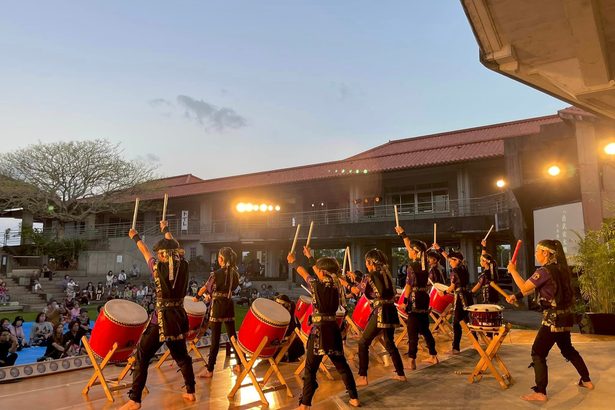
[
  {"x": 440, "y": 286},
  {"x": 194, "y": 308},
  {"x": 125, "y": 312},
  {"x": 484, "y": 307},
  {"x": 305, "y": 299},
  {"x": 271, "y": 311}
]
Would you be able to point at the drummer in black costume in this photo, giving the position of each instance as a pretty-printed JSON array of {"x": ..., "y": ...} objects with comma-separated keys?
[
  {"x": 325, "y": 337},
  {"x": 218, "y": 289},
  {"x": 556, "y": 296},
  {"x": 416, "y": 299},
  {"x": 169, "y": 322},
  {"x": 377, "y": 285},
  {"x": 436, "y": 272},
  {"x": 487, "y": 293},
  {"x": 460, "y": 278}
]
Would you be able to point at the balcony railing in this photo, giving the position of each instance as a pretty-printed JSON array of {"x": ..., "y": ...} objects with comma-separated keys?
[{"x": 253, "y": 222}]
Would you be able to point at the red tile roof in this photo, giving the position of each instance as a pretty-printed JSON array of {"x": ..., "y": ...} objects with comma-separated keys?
[{"x": 437, "y": 149}]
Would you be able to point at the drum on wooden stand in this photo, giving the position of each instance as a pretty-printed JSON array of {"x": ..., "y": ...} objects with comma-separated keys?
[
  {"x": 120, "y": 321},
  {"x": 485, "y": 317},
  {"x": 265, "y": 318},
  {"x": 362, "y": 312},
  {"x": 439, "y": 303},
  {"x": 303, "y": 304},
  {"x": 196, "y": 313}
]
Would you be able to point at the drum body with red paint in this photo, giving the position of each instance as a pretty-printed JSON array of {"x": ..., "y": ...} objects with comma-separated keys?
[
  {"x": 485, "y": 317},
  {"x": 196, "y": 313},
  {"x": 438, "y": 303},
  {"x": 122, "y": 322},
  {"x": 265, "y": 318},
  {"x": 362, "y": 312}
]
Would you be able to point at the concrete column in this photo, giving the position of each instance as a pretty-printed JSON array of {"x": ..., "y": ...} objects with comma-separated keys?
[
  {"x": 354, "y": 209},
  {"x": 589, "y": 174},
  {"x": 463, "y": 190},
  {"x": 27, "y": 222},
  {"x": 467, "y": 248}
]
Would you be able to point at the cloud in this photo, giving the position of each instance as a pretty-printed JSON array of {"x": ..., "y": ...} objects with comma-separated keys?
[
  {"x": 210, "y": 115},
  {"x": 149, "y": 158},
  {"x": 160, "y": 102},
  {"x": 344, "y": 92}
]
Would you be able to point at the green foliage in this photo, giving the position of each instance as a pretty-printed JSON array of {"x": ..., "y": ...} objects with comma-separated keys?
[
  {"x": 595, "y": 264},
  {"x": 60, "y": 250}
]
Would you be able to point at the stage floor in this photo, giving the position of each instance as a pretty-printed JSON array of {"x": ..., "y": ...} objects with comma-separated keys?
[{"x": 440, "y": 383}]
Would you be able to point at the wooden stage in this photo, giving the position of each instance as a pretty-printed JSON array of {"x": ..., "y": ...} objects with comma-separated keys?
[{"x": 63, "y": 390}]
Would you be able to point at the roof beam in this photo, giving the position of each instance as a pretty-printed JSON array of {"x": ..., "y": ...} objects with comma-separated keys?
[{"x": 589, "y": 42}]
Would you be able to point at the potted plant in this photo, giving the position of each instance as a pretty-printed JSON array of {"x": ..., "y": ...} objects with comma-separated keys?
[{"x": 595, "y": 266}]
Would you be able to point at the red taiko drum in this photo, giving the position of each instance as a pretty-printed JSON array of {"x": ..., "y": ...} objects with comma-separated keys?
[
  {"x": 485, "y": 317},
  {"x": 362, "y": 312},
  {"x": 122, "y": 322},
  {"x": 304, "y": 304},
  {"x": 196, "y": 313},
  {"x": 265, "y": 318},
  {"x": 403, "y": 315},
  {"x": 439, "y": 303}
]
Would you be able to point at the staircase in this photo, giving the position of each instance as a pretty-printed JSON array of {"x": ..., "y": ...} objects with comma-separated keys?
[{"x": 23, "y": 295}]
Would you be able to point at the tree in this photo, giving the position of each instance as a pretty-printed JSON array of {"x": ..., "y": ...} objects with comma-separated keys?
[{"x": 68, "y": 181}]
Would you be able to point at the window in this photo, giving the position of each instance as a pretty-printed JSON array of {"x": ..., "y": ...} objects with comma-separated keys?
[
  {"x": 192, "y": 253},
  {"x": 432, "y": 200}
]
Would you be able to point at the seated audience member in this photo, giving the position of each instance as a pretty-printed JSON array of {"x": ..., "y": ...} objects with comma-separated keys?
[
  {"x": 72, "y": 339},
  {"x": 47, "y": 273},
  {"x": 41, "y": 330},
  {"x": 18, "y": 332},
  {"x": 8, "y": 347},
  {"x": 4, "y": 292},
  {"x": 84, "y": 322},
  {"x": 55, "y": 348}
]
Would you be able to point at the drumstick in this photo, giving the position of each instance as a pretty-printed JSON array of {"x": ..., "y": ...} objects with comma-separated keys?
[
  {"x": 434, "y": 232},
  {"x": 514, "y": 257},
  {"x": 501, "y": 292},
  {"x": 349, "y": 259},
  {"x": 490, "y": 229},
  {"x": 430, "y": 281},
  {"x": 344, "y": 262},
  {"x": 307, "y": 243},
  {"x": 306, "y": 289},
  {"x": 292, "y": 249},
  {"x": 396, "y": 215},
  {"x": 134, "y": 216},
  {"x": 164, "y": 206}
]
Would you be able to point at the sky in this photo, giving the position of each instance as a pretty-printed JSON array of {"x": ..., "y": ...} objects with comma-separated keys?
[{"x": 232, "y": 87}]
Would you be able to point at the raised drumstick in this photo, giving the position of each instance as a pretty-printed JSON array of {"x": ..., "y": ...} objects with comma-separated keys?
[
  {"x": 501, "y": 292},
  {"x": 307, "y": 243},
  {"x": 517, "y": 248},
  {"x": 344, "y": 262},
  {"x": 134, "y": 215},
  {"x": 349, "y": 259},
  {"x": 396, "y": 215},
  {"x": 292, "y": 248},
  {"x": 164, "y": 206},
  {"x": 486, "y": 236}
]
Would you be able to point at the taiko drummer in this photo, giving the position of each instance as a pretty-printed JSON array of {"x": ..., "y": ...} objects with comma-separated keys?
[
  {"x": 325, "y": 336},
  {"x": 416, "y": 299},
  {"x": 169, "y": 322},
  {"x": 460, "y": 278}
]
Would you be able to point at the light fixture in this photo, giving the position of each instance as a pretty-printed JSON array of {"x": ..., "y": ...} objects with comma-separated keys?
[
  {"x": 377, "y": 199},
  {"x": 277, "y": 208},
  {"x": 609, "y": 149},
  {"x": 263, "y": 208},
  {"x": 554, "y": 170},
  {"x": 357, "y": 201},
  {"x": 500, "y": 183}
]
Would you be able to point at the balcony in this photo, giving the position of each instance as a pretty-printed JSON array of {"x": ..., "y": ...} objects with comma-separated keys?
[{"x": 272, "y": 226}]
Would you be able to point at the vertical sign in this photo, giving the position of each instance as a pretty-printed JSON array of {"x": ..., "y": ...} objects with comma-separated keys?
[{"x": 184, "y": 226}]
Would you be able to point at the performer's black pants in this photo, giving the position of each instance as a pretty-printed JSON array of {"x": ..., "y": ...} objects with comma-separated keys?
[
  {"x": 418, "y": 324},
  {"x": 371, "y": 331},
  {"x": 459, "y": 314},
  {"x": 146, "y": 349},
  {"x": 545, "y": 339},
  {"x": 216, "y": 330},
  {"x": 312, "y": 363}
]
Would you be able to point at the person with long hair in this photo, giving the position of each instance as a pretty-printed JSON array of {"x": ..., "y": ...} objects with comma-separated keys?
[
  {"x": 460, "y": 278},
  {"x": 489, "y": 266},
  {"x": 416, "y": 299},
  {"x": 377, "y": 285},
  {"x": 556, "y": 297},
  {"x": 325, "y": 336},
  {"x": 169, "y": 322},
  {"x": 218, "y": 290}
]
